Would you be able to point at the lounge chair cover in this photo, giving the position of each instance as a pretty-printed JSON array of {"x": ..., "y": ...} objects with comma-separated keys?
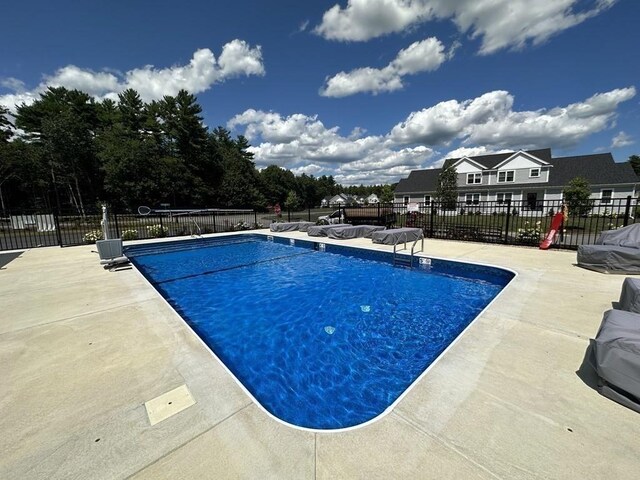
[
  {"x": 615, "y": 251},
  {"x": 616, "y": 354},
  {"x": 290, "y": 226},
  {"x": 354, "y": 231},
  {"x": 630, "y": 295},
  {"x": 625, "y": 237},
  {"x": 396, "y": 235},
  {"x": 323, "y": 230}
]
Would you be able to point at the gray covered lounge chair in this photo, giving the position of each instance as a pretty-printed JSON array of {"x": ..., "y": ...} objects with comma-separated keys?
[
  {"x": 323, "y": 230},
  {"x": 614, "y": 251},
  {"x": 290, "y": 226},
  {"x": 397, "y": 235},
  {"x": 616, "y": 357},
  {"x": 354, "y": 231}
]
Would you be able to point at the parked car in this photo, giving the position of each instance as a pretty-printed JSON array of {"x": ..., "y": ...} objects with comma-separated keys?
[{"x": 334, "y": 217}]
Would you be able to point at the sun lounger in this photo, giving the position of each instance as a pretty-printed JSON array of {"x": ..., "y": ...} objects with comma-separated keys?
[
  {"x": 615, "y": 251},
  {"x": 323, "y": 230},
  {"x": 290, "y": 226},
  {"x": 630, "y": 296},
  {"x": 354, "y": 231},
  {"x": 616, "y": 357},
  {"x": 397, "y": 235}
]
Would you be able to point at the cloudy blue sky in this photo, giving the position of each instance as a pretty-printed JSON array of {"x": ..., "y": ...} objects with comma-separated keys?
[{"x": 365, "y": 90}]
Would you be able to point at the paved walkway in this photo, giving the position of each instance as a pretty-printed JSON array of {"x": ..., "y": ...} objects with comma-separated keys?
[{"x": 83, "y": 349}]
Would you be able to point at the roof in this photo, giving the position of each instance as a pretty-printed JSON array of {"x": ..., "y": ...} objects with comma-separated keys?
[{"x": 597, "y": 169}]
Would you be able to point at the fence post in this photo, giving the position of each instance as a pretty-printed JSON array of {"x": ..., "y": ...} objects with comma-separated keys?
[
  {"x": 506, "y": 227},
  {"x": 214, "y": 222},
  {"x": 627, "y": 211},
  {"x": 255, "y": 218},
  {"x": 431, "y": 219},
  {"x": 115, "y": 218},
  {"x": 56, "y": 221},
  {"x": 309, "y": 213},
  {"x": 288, "y": 214}
]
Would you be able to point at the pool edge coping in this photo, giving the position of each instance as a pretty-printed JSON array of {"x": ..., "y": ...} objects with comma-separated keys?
[{"x": 400, "y": 397}]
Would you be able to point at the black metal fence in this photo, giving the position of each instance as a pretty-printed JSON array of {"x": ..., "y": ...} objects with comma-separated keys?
[
  {"x": 507, "y": 222},
  {"x": 40, "y": 229}
]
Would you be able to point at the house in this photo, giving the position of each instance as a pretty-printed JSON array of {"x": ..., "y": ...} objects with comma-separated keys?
[
  {"x": 373, "y": 198},
  {"x": 527, "y": 178},
  {"x": 339, "y": 199}
]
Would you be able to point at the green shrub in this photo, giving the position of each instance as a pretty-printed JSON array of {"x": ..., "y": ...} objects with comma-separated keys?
[
  {"x": 93, "y": 236},
  {"x": 157, "y": 231},
  {"x": 129, "y": 234}
]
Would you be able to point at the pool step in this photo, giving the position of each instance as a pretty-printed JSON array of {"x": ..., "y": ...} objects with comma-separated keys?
[{"x": 403, "y": 261}]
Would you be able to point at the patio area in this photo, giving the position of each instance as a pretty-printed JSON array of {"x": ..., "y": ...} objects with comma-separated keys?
[{"x": 83, "y": 349}]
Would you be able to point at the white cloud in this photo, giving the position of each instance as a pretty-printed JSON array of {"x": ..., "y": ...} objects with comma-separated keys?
[
  {"x": 490, "y": 120},
  {"x": 303, "y": 144},
  {"x": 499, "y": 23},
  {"x": 483, "y": 125},
  {"x": 622, "y": 140},
  {"x": 425, "y": 55},
  {"x": 203, "y": 70}
]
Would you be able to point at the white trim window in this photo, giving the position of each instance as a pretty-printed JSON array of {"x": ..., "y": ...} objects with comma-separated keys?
[
  {"x": 606, "y": 195},
  {"x": 427, "y": 200},
  {"x": 503, "y": 197},
  {"x": 474, "y": 178},
  {"x": 506, "y": 176},
  {"x": 534, "y": 172},
  {"x": 472, "y": 198},
  {"x": 405, "y": 200}
]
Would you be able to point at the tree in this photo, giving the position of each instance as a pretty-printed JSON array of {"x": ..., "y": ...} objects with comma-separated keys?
[
  {"x": 292, "y": 202},
  {"x": 447, "y": 189},
  {"x": 634, "y": 160},
  {"x": 386, "y": 193},
  {"x": 577, "y": 195}
]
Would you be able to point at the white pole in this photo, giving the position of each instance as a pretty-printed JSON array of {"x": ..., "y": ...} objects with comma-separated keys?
[{"x": 105, "y": 223}]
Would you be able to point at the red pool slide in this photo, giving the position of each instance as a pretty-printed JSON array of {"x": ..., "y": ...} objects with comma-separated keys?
[{"x": 556, "y": 223}]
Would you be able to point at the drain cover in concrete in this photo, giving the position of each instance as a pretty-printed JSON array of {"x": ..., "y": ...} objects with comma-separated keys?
[{"x": 168, "y": 404}]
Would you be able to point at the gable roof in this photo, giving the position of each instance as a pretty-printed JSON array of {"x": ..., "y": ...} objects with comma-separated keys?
[
  {"x": 419, "y": 181},
  {"x": 597, "y": 169}
]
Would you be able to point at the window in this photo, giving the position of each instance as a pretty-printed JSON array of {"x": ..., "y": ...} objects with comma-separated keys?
[
  {"x": 406, "y": 200},
  {"x": 534, "y": 172},
  {"x": 605, "y": 196},
  {"x": 474, "y": 178},
  {"x": 427, "y": 200},
  {"x": 473, "y": 198},
  {"x": 506, "y": 176},
  {"x": 503, "y": 197}
]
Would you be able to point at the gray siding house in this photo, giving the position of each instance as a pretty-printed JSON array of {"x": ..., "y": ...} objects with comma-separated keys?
[{"x": 527, "y": 178}]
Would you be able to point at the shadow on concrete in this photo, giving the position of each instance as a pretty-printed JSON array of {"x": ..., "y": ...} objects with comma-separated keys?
[
  {"x": 586, "y": 372},
  {"x": 5, "y": 258}
]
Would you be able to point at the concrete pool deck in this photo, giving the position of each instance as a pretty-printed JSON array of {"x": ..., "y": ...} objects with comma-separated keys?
[{"x": 83, "y": 349}]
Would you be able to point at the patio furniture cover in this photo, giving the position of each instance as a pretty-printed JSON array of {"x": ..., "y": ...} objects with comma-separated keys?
[
  {"x": 616, "y": 357},
  {"x": 630, "y": 295},
  {"x": 323, "y": 230},
  {"x": 290, "y": 226},
  {"x": 354, "y": 231},
  {"x": 615, "y": 251},
  {"x": 396, "y": 235}
]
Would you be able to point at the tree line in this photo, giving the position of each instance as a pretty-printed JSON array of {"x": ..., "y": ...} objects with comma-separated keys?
[{"x": 69, "y": 152}]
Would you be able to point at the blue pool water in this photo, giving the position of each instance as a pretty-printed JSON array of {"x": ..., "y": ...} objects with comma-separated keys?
[{"x": 322, "y": 339}]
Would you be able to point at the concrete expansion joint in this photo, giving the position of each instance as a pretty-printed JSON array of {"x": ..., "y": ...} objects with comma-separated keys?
[
  {"x": 80, "y": 315},
  {"x": 178, "y": 447},
  {"x": 446, "y": 444}
]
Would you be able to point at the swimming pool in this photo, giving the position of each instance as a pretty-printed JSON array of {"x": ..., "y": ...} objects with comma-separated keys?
[{"x": 322, "y": 336}]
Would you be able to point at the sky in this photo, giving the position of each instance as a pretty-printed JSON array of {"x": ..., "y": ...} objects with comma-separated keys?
[{"x": 364, "y": 90}]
